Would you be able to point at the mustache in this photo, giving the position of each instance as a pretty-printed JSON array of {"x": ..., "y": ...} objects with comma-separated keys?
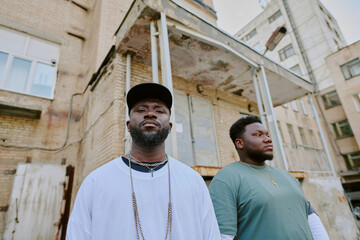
[{"x": 152, "y": 121}]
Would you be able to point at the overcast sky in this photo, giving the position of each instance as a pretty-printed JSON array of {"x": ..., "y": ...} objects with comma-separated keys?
[{"x": 234, "y": 14}]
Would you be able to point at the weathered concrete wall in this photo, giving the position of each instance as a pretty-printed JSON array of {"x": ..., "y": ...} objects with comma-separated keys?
[{"x": 326, "y": 195}]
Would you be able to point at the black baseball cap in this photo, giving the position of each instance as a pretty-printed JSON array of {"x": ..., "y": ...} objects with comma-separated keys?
[{"x": 148, "y": 90}]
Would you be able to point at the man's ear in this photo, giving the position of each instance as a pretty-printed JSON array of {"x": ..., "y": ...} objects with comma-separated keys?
[
  {"x": 128, "y": 125},
  {"x": 239, "y": 143},
  {"x": 170, "y": 127}
]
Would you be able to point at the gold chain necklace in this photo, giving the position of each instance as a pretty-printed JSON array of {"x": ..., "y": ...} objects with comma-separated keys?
[
  {"x": 136, "y": 212},
  {"x": 271, "y": 180}
]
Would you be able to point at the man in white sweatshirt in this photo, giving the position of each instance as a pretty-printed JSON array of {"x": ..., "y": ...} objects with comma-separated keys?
[{"x": 145, "y": 194}]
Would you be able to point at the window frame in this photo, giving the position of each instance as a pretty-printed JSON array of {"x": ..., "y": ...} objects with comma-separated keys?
[
  {"x": 11, "y": 55},
  {"x": 275, "y": 16},
  {"x": 251, "y": 34},
  {"x": 303, "y": 108},
  {"x": 292, "y": 134},
  {"x": 347, "y": 68},
  {"x": 313, "y": 138},
  {"x": 327, "y": 100},
  {"x": 337, "y": 127},
  {"x": 284, "y": 52},
  {"x": 294, "y": 106},
  {"x": 302, "y": 136},
  {"x": 349, "y": 160},
  {"x": 356, "y": 98}
]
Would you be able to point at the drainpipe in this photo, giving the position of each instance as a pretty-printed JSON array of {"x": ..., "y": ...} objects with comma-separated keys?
[
  {"x": 127, "y": 141},
  {"x": 167, "y": 75},
  {"x": 321, "y": 135},
  {"x": 154, "y": 57},
  {"x": 274, "y": 130}
]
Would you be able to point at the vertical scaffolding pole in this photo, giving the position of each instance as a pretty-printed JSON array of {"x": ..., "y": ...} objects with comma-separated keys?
[
  {"x": 154, "y": 57},
  {"x": 127, "y": 88},
  {"x": 274, "y": 130},
  {"x": 167, "y": 75},
  {"x": 321, "y": 135},
  {"x": 258, "y": 97}
]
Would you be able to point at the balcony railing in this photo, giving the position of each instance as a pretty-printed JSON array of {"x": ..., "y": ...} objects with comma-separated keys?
[{"x": 307, "y": 159}]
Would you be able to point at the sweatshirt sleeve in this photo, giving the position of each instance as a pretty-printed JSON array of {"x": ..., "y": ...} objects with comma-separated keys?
[{"x": 80, "y": 221}]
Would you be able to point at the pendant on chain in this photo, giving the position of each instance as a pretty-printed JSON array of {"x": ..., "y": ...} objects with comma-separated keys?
[{"x": 275, "y": 183}]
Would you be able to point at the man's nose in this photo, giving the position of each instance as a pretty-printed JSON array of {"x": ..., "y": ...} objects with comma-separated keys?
[
  {"x": 268, "y": 139},
  {"x": 150, "y": 114}
]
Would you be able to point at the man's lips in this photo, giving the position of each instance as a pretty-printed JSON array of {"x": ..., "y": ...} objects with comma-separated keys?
[
  {"x": 269, "y": 147},
  {"x": 149, "y": 123}
]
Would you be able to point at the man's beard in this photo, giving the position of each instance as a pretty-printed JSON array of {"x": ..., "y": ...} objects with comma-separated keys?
[
  {"x": 258, "y": 156},
  {"x": 148, "y": 139}
]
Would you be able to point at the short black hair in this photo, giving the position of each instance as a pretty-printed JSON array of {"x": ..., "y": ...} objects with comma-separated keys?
[{"x": 238, "y": 128}]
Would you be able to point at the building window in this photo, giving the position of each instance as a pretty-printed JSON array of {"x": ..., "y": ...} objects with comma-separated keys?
[
  {"x": 342, "y": 129},
  {"x": 280, "y": 130},
  {"x": 251, "y": 34},
  {"x": 313, "y": 139},
  {"x": 351, "y": 69},
  {"x": 302, "y": 135},
  {"x": 292, "y": 135},
  {"x": 352, "y": 160},
  {"x": 303, "y": 108},
  {"x": 331, "y": 100},
  {"x": 294, "y": 106},
  {"x": 356, "y": 98},
  {"x": 286, "y": 52},
  {"x": 296, "y": 69},
  {"x": 27, "y": 64},
  {"x": 275, "y": 16}
]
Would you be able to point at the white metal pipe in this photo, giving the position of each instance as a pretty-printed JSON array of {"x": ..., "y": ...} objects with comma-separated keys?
[
  {"x": 321, "y": 135},
  {"x": 154, "y": 57},
  {"x": 258, "y": 97},
  {"x": 273, "y": 127},
  {"x": 127, "y": 143},
  {"x": 167, "y": 75},
  {"x": 127, "y": 86}
]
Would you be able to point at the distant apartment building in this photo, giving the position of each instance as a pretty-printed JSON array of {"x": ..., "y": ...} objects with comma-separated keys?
[
  {"x": 341, "y": 105},
  {"x": 312, "y": 34}
]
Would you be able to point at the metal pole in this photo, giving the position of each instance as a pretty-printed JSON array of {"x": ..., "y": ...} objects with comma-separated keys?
[
  {"x": 154, "y": 57},
  {"x": 127, "y": 141},
  {"x": 167, "y": 75},
  {"x": 321, "y": 135},
  {"x": 274, "y": 130},
  {"x": 258, "y": 97}
]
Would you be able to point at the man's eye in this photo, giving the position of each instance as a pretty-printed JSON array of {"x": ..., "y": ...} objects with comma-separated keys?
[
  {"x": 160, "y": 111},
  {"x": 140, "y": 110}
]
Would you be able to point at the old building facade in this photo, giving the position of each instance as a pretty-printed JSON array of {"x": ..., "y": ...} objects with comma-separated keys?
[{"x": 65, "y": 68}]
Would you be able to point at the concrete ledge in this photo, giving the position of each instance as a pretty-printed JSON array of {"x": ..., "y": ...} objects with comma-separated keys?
[
  {"x": 298, "y": 174},
  {"x": 11, "y": 109},
  {"x": 206, "y": 171}
]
